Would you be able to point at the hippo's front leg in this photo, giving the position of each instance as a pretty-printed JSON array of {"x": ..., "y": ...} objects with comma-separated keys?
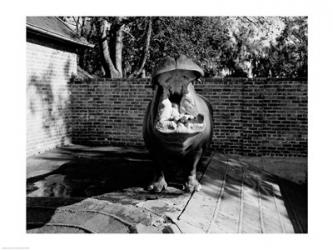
[
  {"x": 158, "y": 184},
  {"x": 191, "y": 162}
]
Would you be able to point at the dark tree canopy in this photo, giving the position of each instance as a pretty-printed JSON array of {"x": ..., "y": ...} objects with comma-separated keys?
[{"x": 223, "y": 46}]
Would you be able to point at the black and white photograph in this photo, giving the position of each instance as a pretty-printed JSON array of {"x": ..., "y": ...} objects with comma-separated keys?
[
  {"x": 166, "y": 124},
  {"x": 124, "y": 121}
]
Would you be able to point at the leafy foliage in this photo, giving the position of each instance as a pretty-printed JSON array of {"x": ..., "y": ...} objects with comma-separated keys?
[{"x": 223, "y": 46}]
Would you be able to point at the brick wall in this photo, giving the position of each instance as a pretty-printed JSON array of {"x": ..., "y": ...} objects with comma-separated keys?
[
  {"x": 109, "y": 112},
  {"x": 251, "y": 117},
  {"x": 49, "y": 69},
  {"x": 258, "y": 117}
]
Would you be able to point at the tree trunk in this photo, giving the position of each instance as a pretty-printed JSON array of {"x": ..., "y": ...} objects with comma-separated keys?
[
  {"x": 118, "y": 57},
  {"x": 145, "y": 51},
  {"x": 110, "y": 70}
]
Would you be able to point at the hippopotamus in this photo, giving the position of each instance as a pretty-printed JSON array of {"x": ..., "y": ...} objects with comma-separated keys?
[{"x": 178, "y": 122}]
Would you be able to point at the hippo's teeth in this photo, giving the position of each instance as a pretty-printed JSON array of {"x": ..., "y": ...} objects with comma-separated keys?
[
  {"x": 183, "y": 124},
  {"x": 165, "y": 110}
]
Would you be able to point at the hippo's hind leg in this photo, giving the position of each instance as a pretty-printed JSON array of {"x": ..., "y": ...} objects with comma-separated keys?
[
  {"x": 191, "y": 162},
  {"x": 158, "y": 184}
]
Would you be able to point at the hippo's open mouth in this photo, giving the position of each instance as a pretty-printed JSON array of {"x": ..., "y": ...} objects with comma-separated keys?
[{"x": 177, "y": 108}]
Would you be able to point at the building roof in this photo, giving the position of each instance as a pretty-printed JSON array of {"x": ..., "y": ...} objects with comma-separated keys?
[{"x": 55, "y": 28}]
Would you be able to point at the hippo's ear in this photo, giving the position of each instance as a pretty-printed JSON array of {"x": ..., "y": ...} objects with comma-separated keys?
[{"x": 185, "y": 63}]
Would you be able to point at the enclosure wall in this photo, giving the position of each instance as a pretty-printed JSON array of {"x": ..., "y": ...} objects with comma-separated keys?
[{"x": 251, "y": 117}]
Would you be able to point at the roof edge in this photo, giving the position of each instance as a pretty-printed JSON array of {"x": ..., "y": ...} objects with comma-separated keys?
[{"x": 53, "y": 34}]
